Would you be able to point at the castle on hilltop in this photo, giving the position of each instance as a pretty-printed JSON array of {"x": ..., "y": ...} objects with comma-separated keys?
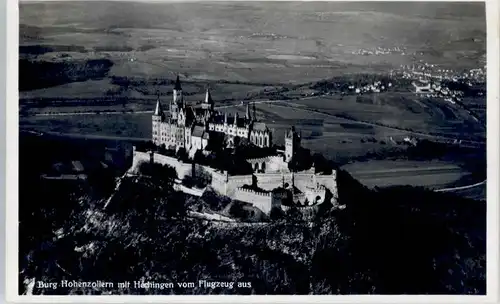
[
  {"x": 193, "y": 128},
  {"x": 270, "y": 184}
]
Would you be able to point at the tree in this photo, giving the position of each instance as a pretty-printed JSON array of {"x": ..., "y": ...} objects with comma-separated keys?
[
  {"x": 162, "y": 149},
  {"x": 181, "y": 154},
  {"x": 199, "y": 158},
  {"x": 202, "y": 178},
  {"x": 276, "y": 214},
  {"x": 157, "y": 171},
  {"x": 175, "y": 204},
  {"x": 293, "y": 214},
  {"x": 237, "y": 210}
]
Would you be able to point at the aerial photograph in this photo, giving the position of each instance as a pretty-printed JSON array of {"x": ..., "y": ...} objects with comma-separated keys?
[{"x": 252, "y": 148}]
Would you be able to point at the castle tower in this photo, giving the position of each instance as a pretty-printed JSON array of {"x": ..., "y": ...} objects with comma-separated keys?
[
  {"x": 157, "y": 118},
  {"x": 254, "y": 114},
  {"x": 225, "y": 118},
  {"x": 247, "y": 113},
  {"x": 208, "y": 103},
  {"x": 292, "y": 144},
  {"x": 236, "y": 119},
  {"x": 178, "y": 98}
]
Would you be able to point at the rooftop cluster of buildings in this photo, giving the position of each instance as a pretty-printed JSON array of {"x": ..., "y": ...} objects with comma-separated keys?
[
  {"x": 424, "y": 70},
  {"x": 194, "y": 128},
  {"x": 380, "y": 51},
  {"x": 375, "y": 87},
  {"x": 272, "y": 183},
  {"x": 436, "y": 90}
]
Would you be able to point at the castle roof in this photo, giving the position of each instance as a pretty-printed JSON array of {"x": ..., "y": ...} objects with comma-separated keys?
[
  {"x": 259, "y": 126},
  {"x": 198, "y": 131},
  {"x": 218, "y": 119},
  {"x": 177, "y": 84},
  {"x": 247, "y": 112},
  {"x": 240, "y": 121},
  {"x": 208, "y": 97},
  {"x": 294, "y": 189},
  {"x": 159, "y": 109},
  {"x": 199, "y": 112},
  {"x": 291, "y": 133}
]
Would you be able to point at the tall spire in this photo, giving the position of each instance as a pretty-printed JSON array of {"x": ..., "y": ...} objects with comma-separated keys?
[
  {"x": 247, "y": 114},
  {"x": 208, "y": 103},
  {"x": 177, "y": 83},
  {"x": 208, "y": 97},
  {"x": 254, "y": 115},
  {"x": 159, "y": 109}
]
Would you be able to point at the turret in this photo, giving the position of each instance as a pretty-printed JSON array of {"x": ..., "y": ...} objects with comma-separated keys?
[
  {"x": 158, "y": 108},
  {"x": 292, "y": 144},
  {"x": 254, "y": 112},
  {"x": 157, "y": 118},
  {"x": 178, "y": 98},
  {"x": 208, "y": 103},
  {"x": 247, "y": 113}
]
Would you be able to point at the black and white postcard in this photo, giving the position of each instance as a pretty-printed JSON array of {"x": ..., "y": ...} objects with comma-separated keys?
[{"x": 185, "y": 148}]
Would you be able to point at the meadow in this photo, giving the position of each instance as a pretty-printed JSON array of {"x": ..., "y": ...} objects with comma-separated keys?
[
  {"x": 254, "y": 42},
  {"x": 117, "y": 57}
]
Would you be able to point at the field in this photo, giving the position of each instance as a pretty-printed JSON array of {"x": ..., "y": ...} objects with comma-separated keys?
[
  {"x": 252, "y": 42},
  {"x": 78, "y": 62},
  {"x": 382, "y": 173},
  {"x": 334, "y": 138},
  {"x": 402, "y": 110}
]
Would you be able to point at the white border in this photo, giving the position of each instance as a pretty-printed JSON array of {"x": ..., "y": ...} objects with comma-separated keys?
[{"x": 493, "y": 129}]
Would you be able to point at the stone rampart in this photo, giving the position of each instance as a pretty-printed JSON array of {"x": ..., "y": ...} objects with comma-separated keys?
[
  {"x": 227, "y": 185},
  {"x": 139, "y": 157},
  {"x": 330, "y": 182},
  {"x": 269, "y": 164},
  {"x": 261, "y": 200},
  {"x": 270, "y": 181},
  {"x": 265, "y": 201},
  {"x": 237, "y": 181},
  {"x": 219, "y": 181},
  {"x": 306, "y": 211},
  {"x": 182, "y": 169}
]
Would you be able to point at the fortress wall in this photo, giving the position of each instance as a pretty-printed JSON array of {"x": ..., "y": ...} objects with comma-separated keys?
[
  {"x": 269, "y": 181},
  {"x": 306, "y": 211},
  {"x": 263, "y": 201},
  {"x": 181, "y": 168},
  {"x": 276, "y": 164},
  {"x": 304, "y": 181},
  {"x": 271, "y": 163},
  {"x": 236, "y": 181},
  {"x": 330, "y": 182},
  {"x": 312, "y": 194},
  {"x": 219, "y": 182},
  {"x": 207, "y": 169},
  {"x": 226, "y": 184},
  {"x": 137, "y": 158}
]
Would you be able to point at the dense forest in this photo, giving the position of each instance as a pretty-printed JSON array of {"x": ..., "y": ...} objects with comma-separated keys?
[
  {"x": 43, "y": 74},
  {"x": 399, "y": 240}
]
